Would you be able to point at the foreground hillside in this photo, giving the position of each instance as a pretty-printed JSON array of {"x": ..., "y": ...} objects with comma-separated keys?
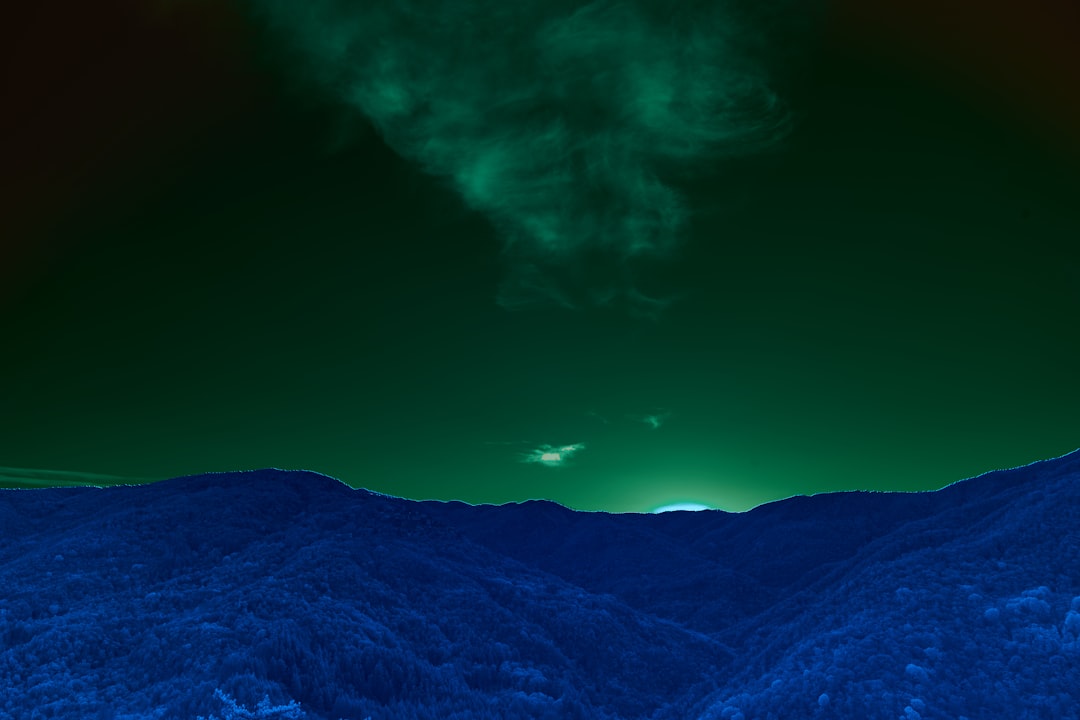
[{"x": 273, "y": 594}]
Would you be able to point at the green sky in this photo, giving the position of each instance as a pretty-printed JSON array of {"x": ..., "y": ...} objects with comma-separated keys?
[{"x": 609, "y": 258}]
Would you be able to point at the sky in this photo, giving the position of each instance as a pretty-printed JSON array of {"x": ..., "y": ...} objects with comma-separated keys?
[{"x": 608, "y": 254}]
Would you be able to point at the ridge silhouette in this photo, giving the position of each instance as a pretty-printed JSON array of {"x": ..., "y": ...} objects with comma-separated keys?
[{"x": 291, "y": 592}]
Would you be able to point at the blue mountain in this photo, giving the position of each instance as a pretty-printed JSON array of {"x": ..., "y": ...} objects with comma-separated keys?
[{"x": 277, "y": 594}]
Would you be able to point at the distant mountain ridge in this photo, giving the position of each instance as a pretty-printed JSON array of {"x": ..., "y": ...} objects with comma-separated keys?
[{"x": 160, "y": 600}]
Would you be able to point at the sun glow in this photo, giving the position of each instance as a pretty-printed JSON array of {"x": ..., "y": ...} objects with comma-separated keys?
[{"x": 691, "y": 506}]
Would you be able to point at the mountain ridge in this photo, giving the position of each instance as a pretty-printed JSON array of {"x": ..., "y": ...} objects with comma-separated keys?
[{"x": 148, "y": 600}]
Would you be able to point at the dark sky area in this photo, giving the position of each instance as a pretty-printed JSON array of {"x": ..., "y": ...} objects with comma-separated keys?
[{"x": 607, "y": 254}]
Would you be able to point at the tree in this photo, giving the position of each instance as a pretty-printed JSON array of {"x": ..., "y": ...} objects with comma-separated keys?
[{"x": 231, "y": 710}]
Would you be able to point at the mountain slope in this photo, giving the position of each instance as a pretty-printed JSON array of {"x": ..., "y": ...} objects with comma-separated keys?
[
  {"x": 137, "y": 602},
  {"x": 141, "y": 601}
]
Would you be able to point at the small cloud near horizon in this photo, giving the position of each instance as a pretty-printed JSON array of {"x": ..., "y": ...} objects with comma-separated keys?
[
  {"x": 552, "y": 456},
  {"x": 598, "y": 416},
  {"x": 653, "y": 420}
]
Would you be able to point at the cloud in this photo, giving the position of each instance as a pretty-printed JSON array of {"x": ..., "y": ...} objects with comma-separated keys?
[
  {"x": 552, "y": 456},
  {"x": 566, "y": 123},
  {"x": 654, "y": 420},
  {"x": 43, "y": 477}
]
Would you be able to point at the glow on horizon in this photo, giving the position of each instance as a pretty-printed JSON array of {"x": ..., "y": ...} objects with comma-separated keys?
[{"x": 690, "y": 506}]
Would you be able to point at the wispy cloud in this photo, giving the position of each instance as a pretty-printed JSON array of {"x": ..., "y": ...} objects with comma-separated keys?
[
  {"x": 565, "y": 123},
  {"x": 596, "y": 416},
  {"x": 653, "y": 420},
  {"x": 552, "y": 456},
  {"x": 43, "y": 477}
]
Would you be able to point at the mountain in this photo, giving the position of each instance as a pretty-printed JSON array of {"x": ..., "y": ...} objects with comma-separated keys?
[{"x": 278, "y": 594}]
